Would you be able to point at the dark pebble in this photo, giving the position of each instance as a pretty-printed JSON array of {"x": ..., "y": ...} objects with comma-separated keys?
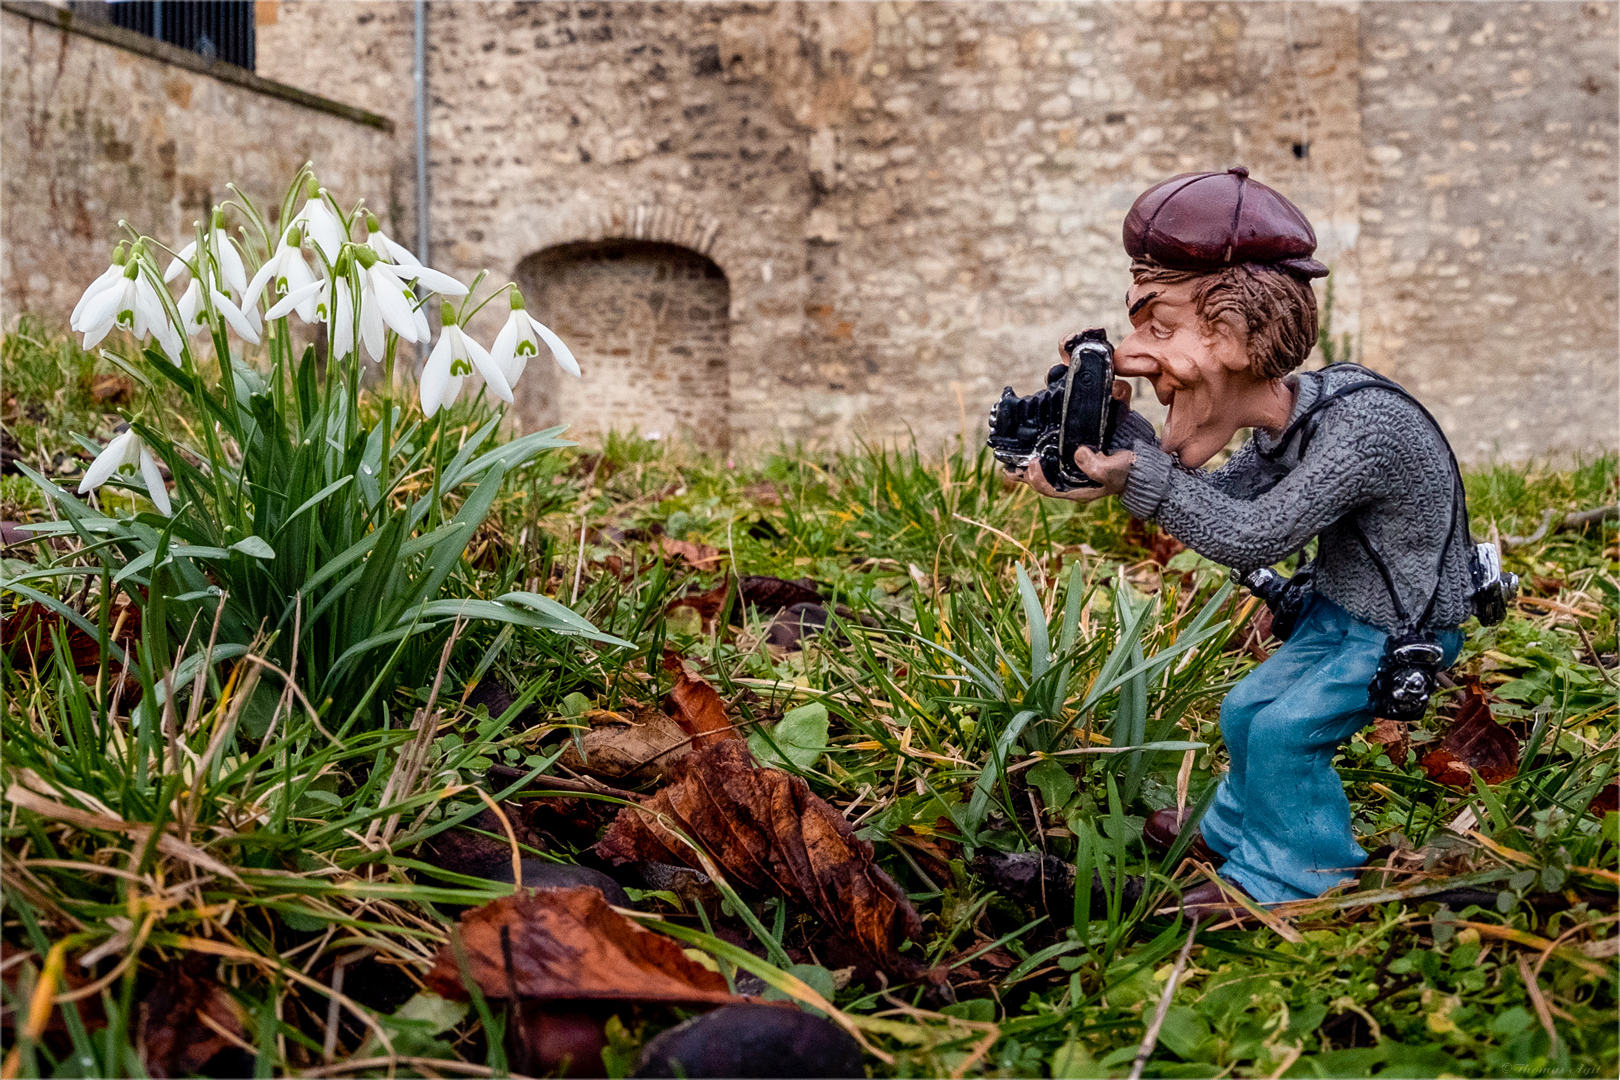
[
  {"x": 753, "y": 1041},
  {"x": 539, "y": 874}
]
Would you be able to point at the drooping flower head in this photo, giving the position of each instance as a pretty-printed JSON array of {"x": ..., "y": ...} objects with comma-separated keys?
[
  {"x": 282, "y": 274},
  {"x": 113, "y": 275},
  {"x": 127, "y": 454},
  {"x": 226, "y": 257},
  {"x": 132, "y": 304},
  {"x": 520, "y": 339},
  {"x": 452, "y": 360}
]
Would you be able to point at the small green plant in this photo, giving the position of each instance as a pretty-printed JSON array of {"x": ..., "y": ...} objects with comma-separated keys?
[
  {"x": 1333, "y": 352},
  {"x": 304, "y": 515}
]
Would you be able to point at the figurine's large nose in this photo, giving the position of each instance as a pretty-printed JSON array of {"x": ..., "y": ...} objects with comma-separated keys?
[{"x": 1131, "y": 361}]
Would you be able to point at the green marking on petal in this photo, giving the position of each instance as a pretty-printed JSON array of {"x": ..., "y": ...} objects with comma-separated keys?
[
  {"x": 527, "y": 348},
  {"x": 458, "y": 366}
]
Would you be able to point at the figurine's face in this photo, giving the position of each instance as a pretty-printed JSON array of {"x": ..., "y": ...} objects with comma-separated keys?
[{"x": 1199, "y": 369}]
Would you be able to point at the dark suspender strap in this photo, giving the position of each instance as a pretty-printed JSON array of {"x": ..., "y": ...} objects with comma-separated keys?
[
  {"x": 1445, "y": 548},
  {"x": 1383, "y": 570},
  {"x": 1459, "y": 501}
]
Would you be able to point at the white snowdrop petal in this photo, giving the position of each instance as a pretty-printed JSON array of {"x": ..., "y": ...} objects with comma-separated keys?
[
  {"x": 559, "y": 351},
  {"x": 112, "y": 457},
  {"x": 433, "y": 280},
  {"x": 233, "y": 316},
  {"x": 178, "y": 263},
  {"x": 293, "y": 299},
  {"x": 155, "y": 489}
]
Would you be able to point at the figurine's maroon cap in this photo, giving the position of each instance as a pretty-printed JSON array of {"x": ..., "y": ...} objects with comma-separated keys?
[{"x": 1210, "y": 220}]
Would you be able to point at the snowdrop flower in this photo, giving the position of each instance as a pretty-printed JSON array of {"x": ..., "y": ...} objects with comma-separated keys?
[
  {"x": 109, "y": 278},
  {"x": 225, "y": 254},
  {"x": 452, "y": 360},
  {"x": 321, "y": 227},
  {"x": 329, "y": 304},
  {"x": 517, "y": 341},
  {"x": 405, "y": 265},
  {"x": 128, "y": 454},
  {"x": 282, "y": 273},
  {"x": 132, "y": 304},
  {"x": 385, "y": 247},
  {"x": 386, "y": 303}
]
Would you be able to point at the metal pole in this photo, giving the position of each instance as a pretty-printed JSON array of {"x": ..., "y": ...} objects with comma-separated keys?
[{"x": 423, "y": 232}]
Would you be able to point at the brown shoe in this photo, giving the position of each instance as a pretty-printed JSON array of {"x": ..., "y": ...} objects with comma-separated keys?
[
  {"x": 1163, "y": 826},
  {"x": 1210, "y": 901}
]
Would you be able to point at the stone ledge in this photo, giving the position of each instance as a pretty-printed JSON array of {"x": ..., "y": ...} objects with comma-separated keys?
[{"x": 175, "y": 56}]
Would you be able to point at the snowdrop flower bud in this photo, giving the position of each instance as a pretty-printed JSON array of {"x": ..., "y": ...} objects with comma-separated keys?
[
  {"x": 386, "y": 303},
  {"x": 128, "y": 454},
  {"x": 452, "y": 360},
  {"x": 133, "y": 304},
  {"x": 109, "y": 278},
  {"x": 519, "y": 339},
  {"x": 283, "y": 273}
]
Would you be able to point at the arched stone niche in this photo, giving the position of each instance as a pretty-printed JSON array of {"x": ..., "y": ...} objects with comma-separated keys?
[{"x": 650, "y": 324}]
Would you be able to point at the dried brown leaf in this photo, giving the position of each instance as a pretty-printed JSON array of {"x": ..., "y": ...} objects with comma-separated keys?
[
  {"x": 699, "y": 556},
  {"x": 771, "y": 833},
  {"x": 695, "y": 706},
  {"x": 708, "y": 604},
  {"x": 772, "y": 594},
  {"x": 1475, "y": 743},
  {"x": 568, "y": 945},
  {"x": 176, "y": 1040},
  {"x": 638, "y": 742},
  {"x": 1392, "y": 736}
]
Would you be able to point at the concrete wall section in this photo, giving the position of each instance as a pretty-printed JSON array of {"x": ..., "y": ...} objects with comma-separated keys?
[
  {"x": 95, "y": 133},
  {"x": 1490, "y": 227}
]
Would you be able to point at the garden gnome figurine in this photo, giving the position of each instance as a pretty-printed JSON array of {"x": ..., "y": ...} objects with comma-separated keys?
[{"x": 1222, "y": 315}]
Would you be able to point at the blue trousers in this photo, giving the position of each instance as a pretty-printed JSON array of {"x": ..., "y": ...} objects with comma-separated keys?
[{"x": 1280, "y": 817}]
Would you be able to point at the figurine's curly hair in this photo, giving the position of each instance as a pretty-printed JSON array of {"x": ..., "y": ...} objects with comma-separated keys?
[{"x": 1273, "y": 309}]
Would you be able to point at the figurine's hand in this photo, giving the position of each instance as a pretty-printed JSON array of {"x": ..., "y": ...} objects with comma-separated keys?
[
  {"x": 1100, "y": 467},
  {"x": 1109, "y": 470}
]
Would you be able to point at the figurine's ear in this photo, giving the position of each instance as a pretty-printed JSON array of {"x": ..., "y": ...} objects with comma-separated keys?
[{"x": 1228, "y": 337}]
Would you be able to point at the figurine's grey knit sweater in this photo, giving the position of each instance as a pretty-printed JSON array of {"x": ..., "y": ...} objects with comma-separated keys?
[{"x": 1372, "y": 457}]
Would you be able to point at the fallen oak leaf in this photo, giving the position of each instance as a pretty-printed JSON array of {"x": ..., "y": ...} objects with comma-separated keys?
[
  {"x": 569, "y": 945},
  {"x": 768, "y": 831}
]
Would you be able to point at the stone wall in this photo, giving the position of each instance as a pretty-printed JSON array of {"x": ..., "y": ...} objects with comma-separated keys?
[
  {"x": 1489, "y": 235},
  {"x": 649, "y": 324},
  {"x": 911, "y": 203},
  {"x": 95, "y": 132}
]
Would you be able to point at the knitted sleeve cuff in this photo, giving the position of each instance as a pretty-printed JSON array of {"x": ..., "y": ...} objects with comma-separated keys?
[
  {"x": 1134, "y": 430},
  {"x": 1148, "y": 482}
]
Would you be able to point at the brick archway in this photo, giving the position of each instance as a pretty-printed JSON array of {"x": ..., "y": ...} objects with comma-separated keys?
[{"x": 649, "y": 321}]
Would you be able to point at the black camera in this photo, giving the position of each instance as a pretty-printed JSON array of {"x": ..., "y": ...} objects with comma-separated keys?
[
  {"x": 1407, "y": 677},
  {"x": 1076, "y": 409},
  {"x": 1494, "y": 588},
  {"x": 1284, "y": 596}
]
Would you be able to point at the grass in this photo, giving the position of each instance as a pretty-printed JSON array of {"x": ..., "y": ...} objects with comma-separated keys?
[{"x": 993, "y": 643}]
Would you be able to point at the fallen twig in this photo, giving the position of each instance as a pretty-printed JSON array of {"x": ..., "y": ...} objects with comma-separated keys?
[
  {"x": 1577, "y": 519},
  {"x": 1150, "y": 1039}
]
